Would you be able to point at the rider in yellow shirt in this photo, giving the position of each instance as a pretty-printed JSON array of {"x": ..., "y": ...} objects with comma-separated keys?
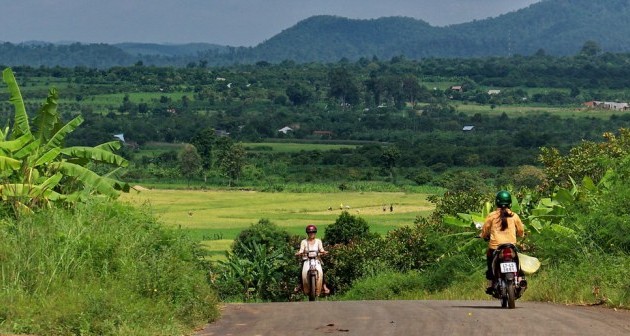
[{"x": 502, "y": 226}]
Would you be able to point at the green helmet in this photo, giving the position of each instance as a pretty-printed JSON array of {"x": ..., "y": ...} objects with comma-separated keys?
[{"x": 503, "y": 199}]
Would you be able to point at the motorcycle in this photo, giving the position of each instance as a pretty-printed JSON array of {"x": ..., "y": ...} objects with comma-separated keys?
[
  {"x": 313, "y": 284},
  {"x": 508, "y": 282}
]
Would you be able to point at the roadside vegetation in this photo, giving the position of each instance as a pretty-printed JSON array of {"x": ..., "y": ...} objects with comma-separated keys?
[
  {"x": 578, "y": 229},
  {"x": 100, "y": 269},
  {"x": 73, "y": 261}
]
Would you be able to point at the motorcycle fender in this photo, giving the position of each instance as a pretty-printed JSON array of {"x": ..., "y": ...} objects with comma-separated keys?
[{"x": 509, "y": 276}]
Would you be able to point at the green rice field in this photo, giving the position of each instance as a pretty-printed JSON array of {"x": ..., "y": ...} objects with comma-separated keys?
[{"x": 216, "y": 217}]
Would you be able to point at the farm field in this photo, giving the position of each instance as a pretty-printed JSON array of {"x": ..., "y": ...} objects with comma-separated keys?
[
  {"x": 515, "y": 111},
  {"x": 216, "y": 217}
]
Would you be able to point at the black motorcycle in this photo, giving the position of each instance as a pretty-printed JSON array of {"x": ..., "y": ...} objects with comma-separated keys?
[{"x": 508, "y": 283}]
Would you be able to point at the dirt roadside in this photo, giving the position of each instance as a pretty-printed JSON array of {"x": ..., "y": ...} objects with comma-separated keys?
[{"x": 415, "y": 318}]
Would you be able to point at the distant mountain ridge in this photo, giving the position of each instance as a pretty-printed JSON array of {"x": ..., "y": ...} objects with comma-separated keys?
[
  {"x": 556, "y": 27},
  {"x": 188, "y": 49},
  {"x": 559, "y": 27}
]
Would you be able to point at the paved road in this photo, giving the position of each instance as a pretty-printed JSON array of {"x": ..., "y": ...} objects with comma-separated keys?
[{"x": 367, "y": 318}]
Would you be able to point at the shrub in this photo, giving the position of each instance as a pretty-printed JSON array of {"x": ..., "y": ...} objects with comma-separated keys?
[
  {"x": 263, "y": 233},
  {"x": 260, "y": 266},
  {"x": 409, "y": 248},
  {"x": 346, "y": 228},
  {"x": 349, "y": 262}
]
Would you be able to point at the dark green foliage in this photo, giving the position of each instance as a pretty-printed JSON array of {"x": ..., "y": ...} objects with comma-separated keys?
[
  {"x": 411, "y": 248},
  {"x": 264, "y": 233},
  {"x": 608, "y": 223},
  {"x": 347, "y": 228},
  {"x": 261, "y": 265},
  {"x": 349, "y": 262}
]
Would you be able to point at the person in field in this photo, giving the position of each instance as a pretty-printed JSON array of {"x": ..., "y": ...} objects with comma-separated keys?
[
  {"x": 502, "y": 226},
  {"x": 311, "y": 243}
]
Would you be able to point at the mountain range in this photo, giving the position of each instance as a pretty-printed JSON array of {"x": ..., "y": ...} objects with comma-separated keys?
[{"x": 555, "y": 27}]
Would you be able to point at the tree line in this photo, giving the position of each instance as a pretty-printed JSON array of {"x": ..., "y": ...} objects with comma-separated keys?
[{"x": 396, "y": 103}]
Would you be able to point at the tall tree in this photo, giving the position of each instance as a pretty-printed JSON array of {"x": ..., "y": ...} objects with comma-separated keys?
[
  {"x": 189, "y": 162},
  {"x": 342, "y": 86},
  {"x": 232, "y": 161}
]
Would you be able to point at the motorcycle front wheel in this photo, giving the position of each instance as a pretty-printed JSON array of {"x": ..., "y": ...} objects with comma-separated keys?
[{"x": 312, "y": 293}]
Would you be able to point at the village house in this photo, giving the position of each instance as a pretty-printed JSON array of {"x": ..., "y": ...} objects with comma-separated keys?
[
  {"x": 494, "y": 92},
  {"x": 285, "y": 130},
  {"x": 457, "y": 88},
  {"x": 607, "y": 105}
]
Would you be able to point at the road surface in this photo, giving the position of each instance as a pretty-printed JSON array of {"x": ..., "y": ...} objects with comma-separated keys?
[{"x": 367, "y": 318}]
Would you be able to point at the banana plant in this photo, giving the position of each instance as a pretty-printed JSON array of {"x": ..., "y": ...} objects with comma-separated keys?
[
  {"x": 546, "y": 214},
  {"x": 37, "y": 171}
]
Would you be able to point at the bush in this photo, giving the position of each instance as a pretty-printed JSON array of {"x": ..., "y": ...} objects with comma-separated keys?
[
  {"x": 408, "y": 248},
  {"x": 349, "y": 262},
  {"x": 260, "y": 266},
  {"x": 263, "y": 233},
  {"x": 346, "y": 228}
]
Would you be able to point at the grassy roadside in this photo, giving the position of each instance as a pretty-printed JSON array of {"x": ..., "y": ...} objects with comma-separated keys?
[
  {"x": 590, "y": 280},
  {"x": 100, "y": 269}
]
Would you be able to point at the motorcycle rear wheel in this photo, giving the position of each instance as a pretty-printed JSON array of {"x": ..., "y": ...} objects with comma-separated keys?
[{"x": 511, "y": 295}]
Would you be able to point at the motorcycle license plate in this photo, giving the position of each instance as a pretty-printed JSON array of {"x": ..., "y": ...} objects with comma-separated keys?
[{"x": 508, "y": 267}]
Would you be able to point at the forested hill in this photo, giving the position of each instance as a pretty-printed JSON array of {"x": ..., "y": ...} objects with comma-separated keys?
[
  {"x": 554, "y": 27},
  {"x": 558, "y": 27}
]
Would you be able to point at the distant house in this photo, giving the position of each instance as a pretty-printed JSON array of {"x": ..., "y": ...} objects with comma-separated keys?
[
  {"x": 457, "y": 88},
  {"x": 220, "y": 79},
  {"x": 285, "y": 130},
  {"x": 120, "y": 137},
  {"x": 607, "y": 105},
  {"x": 468, "y": 128},
  {"x": 494, "y": 92}
]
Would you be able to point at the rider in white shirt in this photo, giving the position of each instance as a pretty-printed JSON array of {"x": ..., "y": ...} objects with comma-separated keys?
[{"x": 312, "y": 244}]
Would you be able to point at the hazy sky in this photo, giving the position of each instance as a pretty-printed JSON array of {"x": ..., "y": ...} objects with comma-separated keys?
[{"x": 225, "y": 22}]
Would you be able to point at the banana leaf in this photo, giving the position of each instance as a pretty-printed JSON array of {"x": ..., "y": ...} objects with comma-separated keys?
[
  {"x": 7, "y": 163},
  {"x": 564, "y": 196},
  {"x": 27, "y": 150},
  {"x": 15, "y": 145},
  {"x": 57, "y": 139},
  {"x": 21, "y": 125},
  {"x": 457, "y": 222},
  {"x": 90, "y": 179},
  {"x": 535, "y": 223},
  {"x": 29, "y": 191},
  {"x": 47, "y": 119},
  {"x": 47, "y": 157},
  {"x": 111, "y": 146},
  {"x": 49, "y": 184},
  {"x": 95, "y": 154}
]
